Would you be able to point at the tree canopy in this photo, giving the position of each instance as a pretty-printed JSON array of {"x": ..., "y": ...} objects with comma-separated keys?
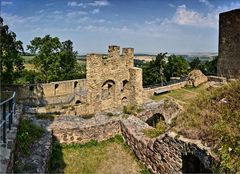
[
  {"x": 162, "y": 68},
  {"x": 12, "y": 63},
  {"x": 55, "y": 60}
]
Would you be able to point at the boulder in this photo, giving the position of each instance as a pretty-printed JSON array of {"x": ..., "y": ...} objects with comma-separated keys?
[{"x": 196, "y": 77}]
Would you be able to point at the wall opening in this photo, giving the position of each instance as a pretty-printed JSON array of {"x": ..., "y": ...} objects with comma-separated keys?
[
  {"x": 31, "y": 88},
  {"x": 75, "y": 84},
  {"x": 191, "y": 164},
  {"x": 78, "y": 102},
  {"x": 156, "y": 118},
  {"x": 56, "y": 86},
  {"x": 108, "y": 89},
  {"x": 124, "y": 83},
  {"x": 124, "y": 101}
]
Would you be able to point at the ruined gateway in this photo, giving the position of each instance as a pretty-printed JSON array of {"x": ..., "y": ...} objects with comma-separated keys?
[{"x": 111, "y": 81}]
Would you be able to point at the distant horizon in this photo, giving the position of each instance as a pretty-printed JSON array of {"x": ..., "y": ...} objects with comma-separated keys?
[{"x": 150, "y": 27}]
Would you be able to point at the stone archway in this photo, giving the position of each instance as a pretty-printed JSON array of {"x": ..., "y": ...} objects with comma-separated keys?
[
  {"x": 153, "y": 120},
  {"x": 191, "y": 164},
  {"x": 108, "y": 90}
]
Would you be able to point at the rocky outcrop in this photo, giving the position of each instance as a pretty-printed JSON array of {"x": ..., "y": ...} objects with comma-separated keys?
[{"x": 196, "y": 77}]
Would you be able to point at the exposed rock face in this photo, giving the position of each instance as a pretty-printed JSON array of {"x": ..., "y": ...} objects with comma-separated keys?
[
  {"x": 229, "y": 44},
  {"x": 196, "y": 77}
]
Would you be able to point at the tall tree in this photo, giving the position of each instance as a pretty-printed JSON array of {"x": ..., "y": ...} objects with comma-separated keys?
[
  {"x": 46, "y": 60},
  {"x": 195, "y": 63},
  {"x": 54, "y": 59},
  {"x": 12, "y": 63},
  {"x": 176, "y": 66},
  {"x": 153, "y": 71}
]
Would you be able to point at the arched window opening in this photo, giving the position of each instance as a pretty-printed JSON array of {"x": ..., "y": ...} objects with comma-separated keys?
[
  {"x": 108, "y": 89},
  {"x": 156, "y": 118},
  {"x": 78, "y": 102},
  {"x": 56, "y": 86},
  {"x": 75, "y": 84},
  {"x": 124, "y": 83}
]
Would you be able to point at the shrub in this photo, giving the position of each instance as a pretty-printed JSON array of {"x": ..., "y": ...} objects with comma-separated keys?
[
  {"x": 110, "y": 114},
  {"x": 27, "y": 134}
]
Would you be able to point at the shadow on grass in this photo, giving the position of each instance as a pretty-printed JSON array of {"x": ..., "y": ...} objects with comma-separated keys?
[{"x": 56, "y": 163}]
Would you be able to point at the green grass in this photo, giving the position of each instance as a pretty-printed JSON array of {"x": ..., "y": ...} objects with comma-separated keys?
[
  {"x": 45, "y": 116},
  {"x": 186, "y": 95},
  {"x": 110, "y": 114},
  {"x": 94, "y": 157},
  {"x": 27, "y": 58},
  {"x": 27, "y": 134},
  {"x": 155, "y": 132},
  {"x": 214, "y": 117}
]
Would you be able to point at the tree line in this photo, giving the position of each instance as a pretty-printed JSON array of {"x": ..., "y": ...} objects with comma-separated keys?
[
  {"x": 53, "y": 60},
  {"x": 163, "y": 67}
]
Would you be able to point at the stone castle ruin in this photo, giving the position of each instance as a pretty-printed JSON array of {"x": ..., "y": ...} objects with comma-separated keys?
[
  {"x": 111, "y": 81},
  {"x": 229, "y": 44}
]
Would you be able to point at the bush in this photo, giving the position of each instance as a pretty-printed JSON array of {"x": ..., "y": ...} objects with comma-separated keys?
[
  {"x": 110, "y": 114},
  {"x": 27, "y": 134}
]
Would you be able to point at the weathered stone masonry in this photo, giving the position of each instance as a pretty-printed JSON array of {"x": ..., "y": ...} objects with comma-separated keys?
[
  {"x": 111, "y": 81},
  {"x": 229, "y": 44},
  {"x": 164, "y": 154}
]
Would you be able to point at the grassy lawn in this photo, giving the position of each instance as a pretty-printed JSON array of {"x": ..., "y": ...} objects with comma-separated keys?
[
  {"x": 214, "y": 118},
  {"x": 27, "y": 58},
  {"x": 110, "y": 156},
  {"x": 185, "y": 95}
]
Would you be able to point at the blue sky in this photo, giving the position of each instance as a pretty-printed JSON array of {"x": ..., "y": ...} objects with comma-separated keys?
[{"x": 149, "y": 26}]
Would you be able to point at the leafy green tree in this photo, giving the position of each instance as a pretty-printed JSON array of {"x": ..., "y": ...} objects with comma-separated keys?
[
  {"x": 195, "y": 63},
  {"x": 153, "y": 71},
  {"x": 176, "y": 66},
  {"x": 70, "y": 69},
  {"x": 12, "y": 63},
  {"x": 46, "y": 60},
  {"x": 55, "y": 60}
]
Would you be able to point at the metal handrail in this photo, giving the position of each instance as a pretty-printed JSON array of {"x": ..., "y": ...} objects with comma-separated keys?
[{"x": 7, "y": 115}]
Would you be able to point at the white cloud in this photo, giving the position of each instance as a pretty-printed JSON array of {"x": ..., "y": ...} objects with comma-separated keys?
[
  {"x": 99, "y": 3},
  {"x": 206, "y": 2},
  {"x": 4, "y": 3},
  {"x": 76, "y": 13},
  {"x": 185, "y": 16},
  {"x": 171, "y": 5},
  {"x": 95, "y": 11},
  {"x": 75, "y": 4}
]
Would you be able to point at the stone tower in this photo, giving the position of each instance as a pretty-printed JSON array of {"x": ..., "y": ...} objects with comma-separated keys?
[
  {"x": 112, "y": 81},
  {"x": 229, "y": 44}
]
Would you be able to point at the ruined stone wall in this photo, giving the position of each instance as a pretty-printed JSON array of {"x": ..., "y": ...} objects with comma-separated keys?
[
  {"x": 112, "y": 81},
  {"x": 148, "y": 92},
  {"x": 84, "y": 134},
  {"x": 163, "y": 154},
  {"x": 229, "y": 44},
  {"x": 62, "y": 92}
]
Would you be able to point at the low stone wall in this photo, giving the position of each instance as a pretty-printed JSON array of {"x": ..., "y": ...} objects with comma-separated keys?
[
  {"x": 162, "y": 154},
  {"x": 80, "y": 134},
  {"x": 217, "y": 79},
  {"x": 148, "y": 92}
]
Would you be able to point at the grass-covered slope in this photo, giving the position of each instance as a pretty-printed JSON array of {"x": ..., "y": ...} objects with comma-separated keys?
[{"x": 214, "y": 117}]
